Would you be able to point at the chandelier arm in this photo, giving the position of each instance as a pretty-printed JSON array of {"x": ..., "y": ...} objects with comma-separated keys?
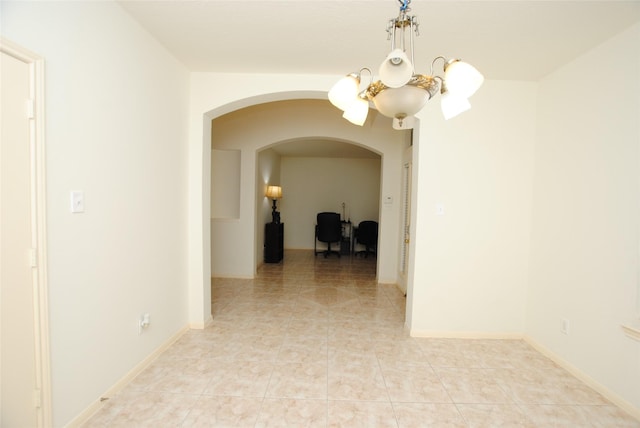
[
  {"x": 364, "y": 94},
  {"x": 370, "y": 75},
  {"x": 443, "y": 87},
  {"x": 434, "y": 61}
]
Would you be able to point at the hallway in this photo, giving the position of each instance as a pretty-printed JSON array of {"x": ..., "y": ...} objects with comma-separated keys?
[{"x": 315, "y": 342}]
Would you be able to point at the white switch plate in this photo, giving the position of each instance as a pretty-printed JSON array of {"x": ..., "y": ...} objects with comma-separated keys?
[
  {"x": 77, "y": 201},
  {"x": 440, "y": 209}
]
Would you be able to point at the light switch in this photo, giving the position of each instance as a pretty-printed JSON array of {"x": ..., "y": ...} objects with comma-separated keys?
[
  {"x": 440, "y": 209},
  {"x": 77, "y": 202}
]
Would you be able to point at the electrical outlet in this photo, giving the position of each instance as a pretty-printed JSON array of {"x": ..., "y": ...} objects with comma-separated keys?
[{"x": 564, "y": 328}]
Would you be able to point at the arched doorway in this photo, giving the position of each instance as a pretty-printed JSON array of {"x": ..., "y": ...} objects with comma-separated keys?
[
  {"x": 238, "y": 234},
  {"x": 317, "y": 175}
]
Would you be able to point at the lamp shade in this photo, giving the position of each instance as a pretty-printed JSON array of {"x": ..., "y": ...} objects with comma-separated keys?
[
  {"x": 274, "y": 192},
  {"x": 345, "y": 91},
  {"x": 401, "y": 102},
  {"x": 462, "y": 78},
  {"x": 452, "y": 105},
  {"x": 357, "y": 112},
  {"x": 396, "y": 70}
]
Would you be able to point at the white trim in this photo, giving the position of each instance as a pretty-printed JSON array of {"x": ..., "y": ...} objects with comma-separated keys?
[
  {"x": 38, "y": 225},
  {"x": 201, "y": 326},
  {"x": 633, "y": 331},
  {"x": 124, "y": 381},
  {"x": 465, "y": 334},
  {"x": 231, "y": 276},
  {"x": 588, "y": 380}
]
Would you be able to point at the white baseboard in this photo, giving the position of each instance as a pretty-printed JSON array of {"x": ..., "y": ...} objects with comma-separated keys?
[
  {"x": 228, "y": 275},
  {"x": 588, "y": 380},
  {"x": 464, "y": 334},
  {"x": 201, "y": 325},
  {"x": 118, "y": 386}
]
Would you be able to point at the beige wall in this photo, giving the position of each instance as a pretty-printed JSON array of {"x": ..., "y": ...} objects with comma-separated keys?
[
  {"x": 314, "y": 185},
  {"x": 225, "y": 184},
  {"x": 471, "y": 264},
  {"x": 586, "y": 217},
  {"x": 116, "y": 128}
]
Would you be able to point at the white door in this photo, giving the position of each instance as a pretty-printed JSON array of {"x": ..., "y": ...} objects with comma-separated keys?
[{"x": 18, "y": 406}]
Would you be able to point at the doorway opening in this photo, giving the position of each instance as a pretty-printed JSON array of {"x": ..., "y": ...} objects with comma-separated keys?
[
  {"x": 317, "y": 175},
  {"x": 268, "y": 124}
]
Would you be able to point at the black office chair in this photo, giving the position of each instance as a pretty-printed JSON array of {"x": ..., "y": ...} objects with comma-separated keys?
[
  {"x": 328, "y": 230},
  {"x": 367, "y": 235}
]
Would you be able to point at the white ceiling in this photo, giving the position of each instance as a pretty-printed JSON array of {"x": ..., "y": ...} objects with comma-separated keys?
[{"x": 506, "y": 39}]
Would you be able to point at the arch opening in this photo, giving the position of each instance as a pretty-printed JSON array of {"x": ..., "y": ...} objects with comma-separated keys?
[{"x": 285, "y": 122}]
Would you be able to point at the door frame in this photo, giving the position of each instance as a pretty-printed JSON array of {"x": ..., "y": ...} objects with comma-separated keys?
[
  {"x": 405, "y": 246},
  {"x": 38, "y": 226}
]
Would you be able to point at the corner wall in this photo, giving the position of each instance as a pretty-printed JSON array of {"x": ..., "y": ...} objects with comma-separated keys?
[{"x": 584, "y": 250}]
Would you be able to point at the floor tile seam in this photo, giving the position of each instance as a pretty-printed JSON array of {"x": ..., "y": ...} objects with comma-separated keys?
[
  {"x": 442, "y": 384},
  {"x": 384, "y": 380},
  {"x": 466, "y": 419},
  {"x": 529, "y": 417},
  {"x": 240, "y": 396},
  {"x": 255, "y": 423},
  {"x": 507, "y": 389},
  {"x": 327, "y": 374},
  {"x": 125, "y": 406}
]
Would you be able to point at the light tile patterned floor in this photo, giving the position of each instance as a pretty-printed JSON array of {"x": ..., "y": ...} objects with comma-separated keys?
[{"x": 315, "y": 342}]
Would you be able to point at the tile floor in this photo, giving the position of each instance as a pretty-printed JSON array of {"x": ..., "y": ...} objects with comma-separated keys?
[{"x": 315, "y": 342}]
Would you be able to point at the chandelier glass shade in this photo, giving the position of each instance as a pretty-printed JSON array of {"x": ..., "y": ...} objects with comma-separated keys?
[
  {"x": 345, "y": 91},
  {"x": 401, "y": 102},
  {"x": 401, "y": 93}
]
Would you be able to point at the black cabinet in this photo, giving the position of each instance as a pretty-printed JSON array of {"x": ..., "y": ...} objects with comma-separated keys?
[{"x": 273, "y": 242}]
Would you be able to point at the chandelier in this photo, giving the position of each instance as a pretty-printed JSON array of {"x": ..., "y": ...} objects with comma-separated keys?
[{"x": 401, "y": 93}]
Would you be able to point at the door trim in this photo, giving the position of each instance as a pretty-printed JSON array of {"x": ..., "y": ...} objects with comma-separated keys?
[{"x": 38, "y": 226}]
